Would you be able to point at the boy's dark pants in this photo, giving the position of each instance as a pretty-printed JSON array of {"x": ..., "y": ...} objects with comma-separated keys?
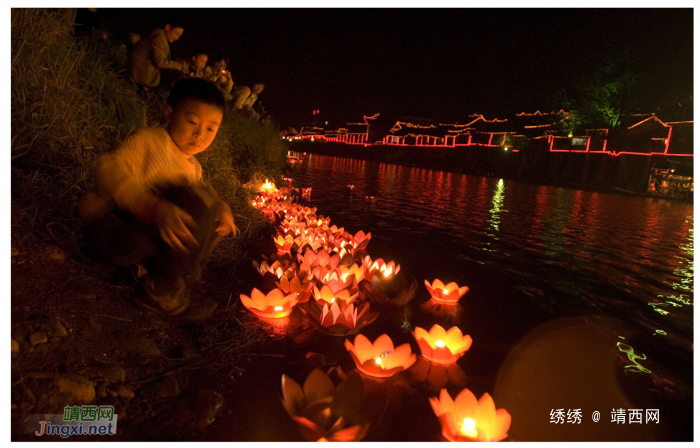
[{"x": 119, "y": 238}]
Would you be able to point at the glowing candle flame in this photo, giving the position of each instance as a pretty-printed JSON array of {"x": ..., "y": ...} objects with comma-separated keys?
[
  {"x": 387, "y": 272},
  {"x": 278, "y": 308},
  {"x": 344, "y": 276},
  {"x": 333, "y": 300},
  {"x": 469, "y": 428},
  {"x": 445, "y": 292},
  {"x": 378, "y": 361},
  {"x": 440, "y": 343}
]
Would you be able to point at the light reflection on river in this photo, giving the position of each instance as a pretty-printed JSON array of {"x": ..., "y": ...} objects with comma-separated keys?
[{"x": 530, "y": 255}]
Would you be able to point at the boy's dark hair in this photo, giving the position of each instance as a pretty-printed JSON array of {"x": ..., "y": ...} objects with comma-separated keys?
[{"x": 199, "y": 89}]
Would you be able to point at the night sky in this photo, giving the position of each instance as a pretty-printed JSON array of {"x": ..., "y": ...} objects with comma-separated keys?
[{"x": 434, "y": 63}]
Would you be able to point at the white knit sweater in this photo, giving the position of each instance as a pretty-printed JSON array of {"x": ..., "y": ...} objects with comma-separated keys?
[{"x": 145, "y": 160}]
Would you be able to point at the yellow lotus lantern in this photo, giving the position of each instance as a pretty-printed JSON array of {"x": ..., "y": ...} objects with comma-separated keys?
[
  {"x": 295, "y": 285},
  {"x": 380, "y": 359},
  {"x": 465, "y": 419},
  {"x": 273, "y": 305},
  {"x": 312, "y": 409},
  {"x": 449, "y": 293},
  {"x": 284, "y": 244},
  {"x": 440, "y": 346},
  {"x": 327, "y": 296},
  {"x": 354, "y": 270}
]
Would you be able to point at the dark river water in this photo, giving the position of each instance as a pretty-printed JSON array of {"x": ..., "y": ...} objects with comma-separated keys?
[{"x": 577, "y": 300}]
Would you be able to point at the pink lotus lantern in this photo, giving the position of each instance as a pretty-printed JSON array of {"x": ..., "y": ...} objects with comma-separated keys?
[
  {"x": 314, "y": 244},
  {"x": 360, "y": 240},
  {"x": 342, "y": 320},
  {"x": 346, "y": 320},
  {"x": 449, "y": 293},
  {"x": 327, "y": 296},
  {"x": 440, "y": 346},
  {"x": 273, "y": 305},
  {"x": 320, "y": 258},
  {"x": 466, "y": 420},
  {"x": 295, "y": 285},
  {"x": 335, "y": 231},
  {"x": 380, "y": 359},
  {"x": 337, "y": 280}
]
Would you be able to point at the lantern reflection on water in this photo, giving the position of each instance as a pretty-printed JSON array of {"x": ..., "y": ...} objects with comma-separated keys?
[
  {"x": 380, "y": 358},
  {"x": 465, "y": 419},
  {"x": 273, "y": 305},
  {"x": 449, "y": 293},
  {"x": 440, "y": 346}
]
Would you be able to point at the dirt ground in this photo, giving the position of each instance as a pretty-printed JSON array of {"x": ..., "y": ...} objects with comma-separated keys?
[{"x": 78, "y": 338}]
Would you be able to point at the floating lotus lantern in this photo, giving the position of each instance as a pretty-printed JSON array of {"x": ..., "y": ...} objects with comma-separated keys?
[
  {"x": 312, "y": 244},
  {"x": 440, "y": 346},
  {"x": 327, "y": 296},
  {"x": 383, "y": 271},
  {"x": 335, "y": 231},
  {"x": 273, "y": 305},
  {"x": 341, "y": 320},
  {"x": 296, "y": 285},
  {"x": 312, "y": 407},
  {"x": 449, "y": 293},
  {"x": 354, "y": 270},
  {"x": 320, "y": 258},
  {"x": 380, "y": 359},
  {"x": 465, "y": 419},
  {"x": 336, "y": 280},
  {"x": 276, "y": 268},
  {"x": 360, "y": 239},
  {"x": 268, "y": 187},
  {"x": 284, "y": 244}
]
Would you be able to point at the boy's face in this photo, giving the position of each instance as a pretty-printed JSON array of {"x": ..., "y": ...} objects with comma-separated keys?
[
  {"x": 199, "y": 61},
  {"x": 193, "y": 125}
]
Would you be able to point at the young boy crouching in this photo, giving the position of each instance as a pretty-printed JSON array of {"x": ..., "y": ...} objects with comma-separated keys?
[{"x": 151, "y": 209}]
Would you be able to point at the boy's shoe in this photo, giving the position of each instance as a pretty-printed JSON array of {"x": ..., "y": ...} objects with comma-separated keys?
[
  {"x": 129, "y": 276},
  {"x": 182, "y": 306}
]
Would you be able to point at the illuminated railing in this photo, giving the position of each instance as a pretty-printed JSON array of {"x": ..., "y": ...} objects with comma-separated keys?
[{"x": 466, "y": 136}]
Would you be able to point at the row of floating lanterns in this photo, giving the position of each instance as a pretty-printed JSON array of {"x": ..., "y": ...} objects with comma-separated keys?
[{"x": 322, "y": 266}]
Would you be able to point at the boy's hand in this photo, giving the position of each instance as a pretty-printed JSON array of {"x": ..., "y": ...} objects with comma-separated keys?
[
  {"x": 171, "y": 220},
  {"x": 225, "y": 219}
]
